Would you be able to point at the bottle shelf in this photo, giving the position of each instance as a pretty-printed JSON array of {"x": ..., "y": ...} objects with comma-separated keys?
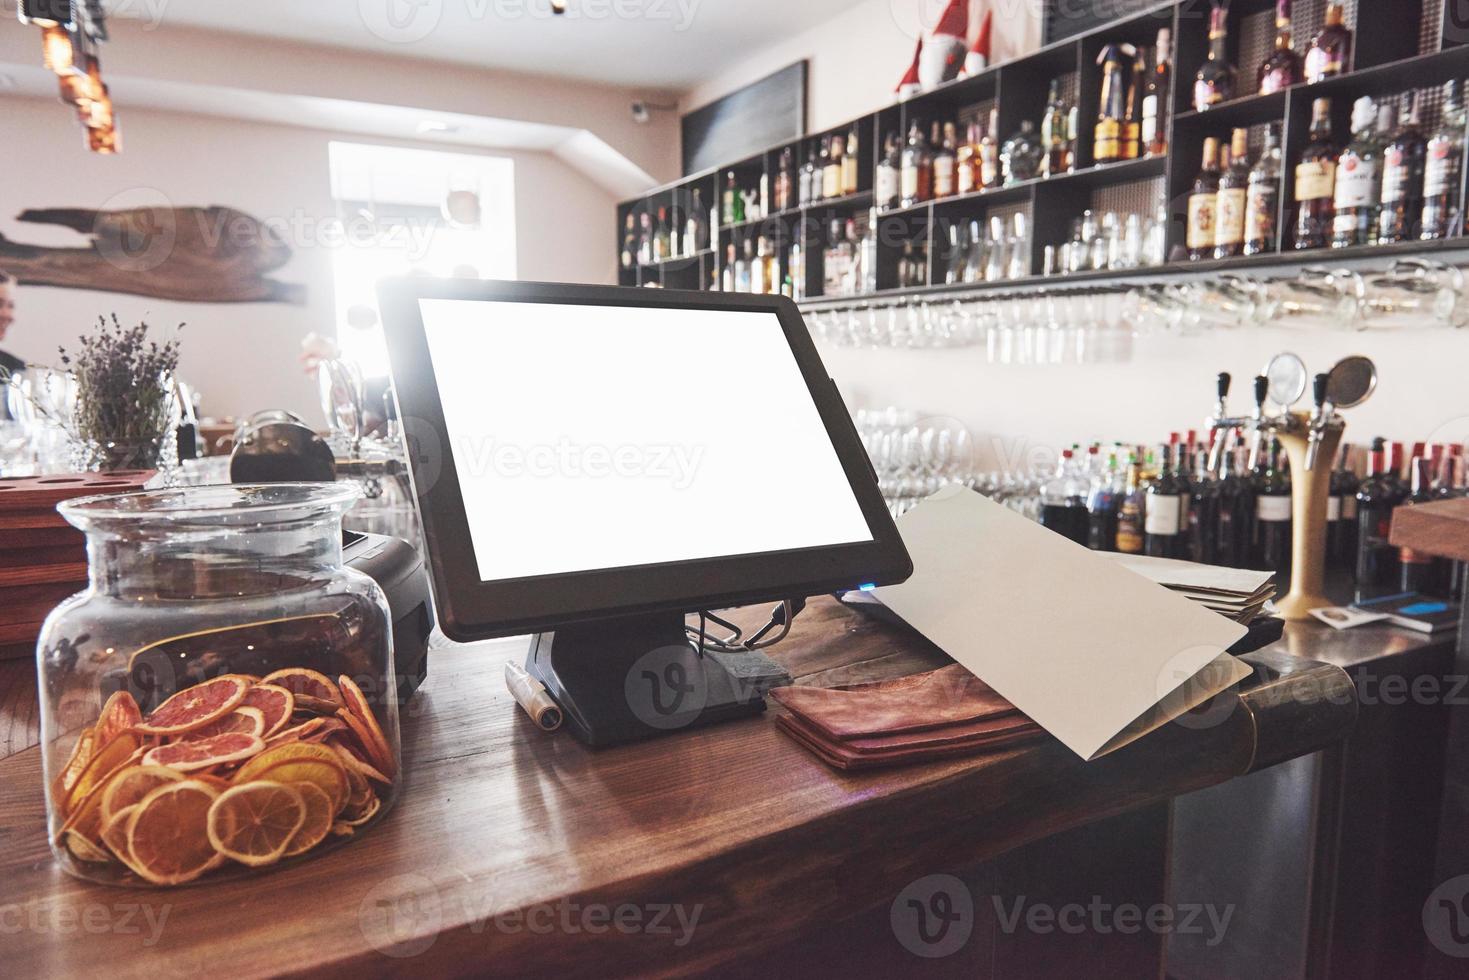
[{"x": 1385, "y": 39}]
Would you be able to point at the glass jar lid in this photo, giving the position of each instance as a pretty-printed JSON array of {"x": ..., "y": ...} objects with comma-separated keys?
[{"x": 221, "y": 506}]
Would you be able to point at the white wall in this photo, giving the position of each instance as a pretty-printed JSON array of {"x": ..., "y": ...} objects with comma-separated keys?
[
  {"x": 856, "y": 59},
  {"x": 242, "y": 357}
]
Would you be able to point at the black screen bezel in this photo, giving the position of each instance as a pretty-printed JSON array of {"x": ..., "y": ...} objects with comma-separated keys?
[{"x": 473, "y": 609}]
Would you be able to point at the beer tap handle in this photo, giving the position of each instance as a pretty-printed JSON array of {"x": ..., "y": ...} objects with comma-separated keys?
[
  {"x": 1257, "y": 422},
  {"x": 1220, "y": 426},
  {"x": 1318, "y": 420}
]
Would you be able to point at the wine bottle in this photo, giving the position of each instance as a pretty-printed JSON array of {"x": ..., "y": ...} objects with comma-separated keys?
[
  {"x": 1377, "y": 560},
  {"x": 1403, "y": 166},
  {"x": 1282, "y": 68},
  {"x": 1063, "y": 502},
  {"x": 1130, "y": 514},
  {"x": 1203, "y": 203},
  {"x": 1162, "y": 530},
  {"x": 1358, "y": 180},
  {"x": 1443, "y": 168},
  {"x": 1420, "y": 571},
  {"x": 1273, "y": 516},
  {"x": 1233, "y": 199},
  {"x": 1316, "y": 180},
  {"x": 1331, "y": 49},
  {"x": 1263, "y": 196},
  {"x": 1203, "y": 512},
  {"x": 1236, "y": 510},
  {"x": 1214, "y": 82},
  {"x": 1341, "y": 513}
]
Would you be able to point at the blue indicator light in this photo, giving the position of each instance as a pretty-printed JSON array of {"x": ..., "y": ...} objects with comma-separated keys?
[{"x": 868, "y": 587}]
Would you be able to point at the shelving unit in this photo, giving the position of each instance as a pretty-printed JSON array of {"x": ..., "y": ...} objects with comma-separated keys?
[{"x": 1387, "y": 59}]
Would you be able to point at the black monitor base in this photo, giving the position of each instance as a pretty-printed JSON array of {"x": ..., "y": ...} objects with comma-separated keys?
[{"x": 624, "y": 679}]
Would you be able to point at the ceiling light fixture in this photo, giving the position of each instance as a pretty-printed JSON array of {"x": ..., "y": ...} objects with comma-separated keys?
[
  {"x": 71, "y": 31},
  {"x": 558, "y": 7}
]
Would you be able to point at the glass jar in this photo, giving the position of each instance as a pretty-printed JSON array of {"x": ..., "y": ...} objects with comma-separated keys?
[{"x": 222, "y": 697}]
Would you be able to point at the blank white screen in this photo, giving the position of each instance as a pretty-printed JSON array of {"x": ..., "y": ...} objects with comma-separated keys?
[{"x": 596, "y": 437}]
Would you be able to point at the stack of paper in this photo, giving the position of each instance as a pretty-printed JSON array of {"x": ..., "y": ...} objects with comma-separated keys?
[{"x": 1237, "y": 593}]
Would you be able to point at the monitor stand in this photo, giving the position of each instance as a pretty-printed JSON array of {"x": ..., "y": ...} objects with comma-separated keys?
[{"x": 633, "y": 677}]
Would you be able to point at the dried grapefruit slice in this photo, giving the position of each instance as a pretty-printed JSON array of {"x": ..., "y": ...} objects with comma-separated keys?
[
  {"x": 129, "y": 786},
  {"x": 376, "y": 742},
  {"x": 105, "y": 761},
  {"x": 356, "y": 765},
  {"x": 275, "y": 703},
  {"x": 168, "y": 834},
  {"x": 205, "y": 752},
  {"x": 119, "y": 714},
  {"x": 243, "y": 720},
  {"x": 300, "y": 762},
  {"x": 195, "y": 707},
  {"x": 307, "y": 684},
  {"x": 115, "y": 833},
  {"x": 254, "y": 823},
  {"x": 318, "y": 822}
]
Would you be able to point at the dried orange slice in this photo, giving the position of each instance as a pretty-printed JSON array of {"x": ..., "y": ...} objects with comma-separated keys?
[
  {"x": 115, "y": 833},
  {"x": 168, "y": 835},
  {"x": 216, "y": 750},
  {"x": 318, "y": 822},
  {"x": 243, "y": 720},
  {"x": 105, "y": 760},
  {"x": 363, "y": 814},
  {"x": 376, "y": 742},
  {"x": 254, "y": 823},
  {"x": 356, "y": 765},
  {"x": 129, "y": 786},
  {"x": 310, "y": 688},
  {"x": 195, "y": 707},
  {"x": 275, "y": 704},
  {"x": 300, "y": 762},
  {"x": 83, "y": 849},
  {"x": 218, "y": 782},
  {"x": 81, "y": 754},
  {"x": 119, "y": 714}
]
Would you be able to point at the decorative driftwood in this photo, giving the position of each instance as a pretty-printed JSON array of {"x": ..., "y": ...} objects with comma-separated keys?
[{"x": 200, "y": 255}]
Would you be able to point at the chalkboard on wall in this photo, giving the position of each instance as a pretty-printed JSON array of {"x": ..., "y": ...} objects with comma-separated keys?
[{"x": 745, "y": 122}]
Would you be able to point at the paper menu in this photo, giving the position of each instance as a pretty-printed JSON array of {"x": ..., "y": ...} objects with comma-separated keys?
[{"x": 1085, "y": 647}]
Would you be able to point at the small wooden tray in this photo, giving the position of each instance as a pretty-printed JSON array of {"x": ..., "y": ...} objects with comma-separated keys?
[{"x": 31, "y": 493}]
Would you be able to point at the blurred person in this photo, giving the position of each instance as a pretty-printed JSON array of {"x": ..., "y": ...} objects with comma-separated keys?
[{"x": 9, "y": 363}]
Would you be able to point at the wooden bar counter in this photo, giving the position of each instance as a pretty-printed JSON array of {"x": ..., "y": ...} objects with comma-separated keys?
[{"x": 511, "y": 852}]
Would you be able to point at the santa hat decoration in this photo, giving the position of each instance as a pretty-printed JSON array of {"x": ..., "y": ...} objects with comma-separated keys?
[
  {"x": 978, "y": 58},
  {"x": 943, "y": 55},
  {"x": 908, "y": 86}
]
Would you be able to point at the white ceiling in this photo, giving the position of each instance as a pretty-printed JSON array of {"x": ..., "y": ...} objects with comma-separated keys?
[{"x": 663, "y": 44}]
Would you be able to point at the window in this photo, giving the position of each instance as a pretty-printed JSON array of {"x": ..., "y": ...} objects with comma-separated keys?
[{"x": 407, "y": 211}]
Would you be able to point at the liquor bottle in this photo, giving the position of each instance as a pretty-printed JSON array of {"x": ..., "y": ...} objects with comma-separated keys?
[
  {"x": 1053, "y": 132},
  {"x": 733, "y": 201},
  {"x": 1214, "y": 82},
  {"x": 675, "y": 233},
  {"x": 1205, "y": 498},
  {"x": 1020, "y": 156},
  {"x": 1331, "y": 48},
  {"x": 1378, "y": 494},
  {"x": 796, "y": 270},
  {"x": 1130, "y": 514},
  {"x": 1233, "y": 200},
  {"x": 1262, "y": 196},
  {"x": 1236, "y": 509},
  {"x": 989, "y": 152},
  {"x": 944, "y": 161},
  {"x": 1162, "y": 531},
  {"x": 1316, "y": 180},
  {"x": 886, "y": 190},
  {"x": 759, "y": 267},
  {"x": 1132, "y": 123},
  {"x": 1155, "y": 97},
  {"x": 1445, "y": 164},
  {"x": 1203, "y": 201},
  {"x": 1282, "y": 68},
  {"x": 917, "y": 169},
  {"x": 1419, "y": 571},
  {"x": 867, "y": 253},
  {"x": 1112, "y": 106},
  {"x": 954, "y": 254},
  {"x": 783, "y": 181},
  {"x": 1404, "y": 161},
  {"x": 629, "y": 242},
  {"x": 966, "y": 162},
  {"x": 645, "y": 239},
  {"x": 851, "y": 163},
  {"x": 1273, "y": 515},
  {"x": 744, "y": 274},
  {"x": 1103, "y": 505},
  {"x": 1358, "y": 180},
  {"x": 1063, "y": 502},
  {"x": 809, "y": 183},
  {"x": 831, "y": 167},
  {"x": 1073, "y": 135},
  {"x": 837, "y": 261},
  {"x": 1341, "y": 513},
  {"x": 696, "y": 232}
]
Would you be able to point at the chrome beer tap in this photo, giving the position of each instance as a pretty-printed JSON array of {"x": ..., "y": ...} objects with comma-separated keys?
[
  {"x": 1222, "y": 422},
  {"x": 1322, "y": 417}
]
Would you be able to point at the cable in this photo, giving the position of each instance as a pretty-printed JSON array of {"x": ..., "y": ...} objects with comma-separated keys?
[{"x": 782, "y": 616}]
